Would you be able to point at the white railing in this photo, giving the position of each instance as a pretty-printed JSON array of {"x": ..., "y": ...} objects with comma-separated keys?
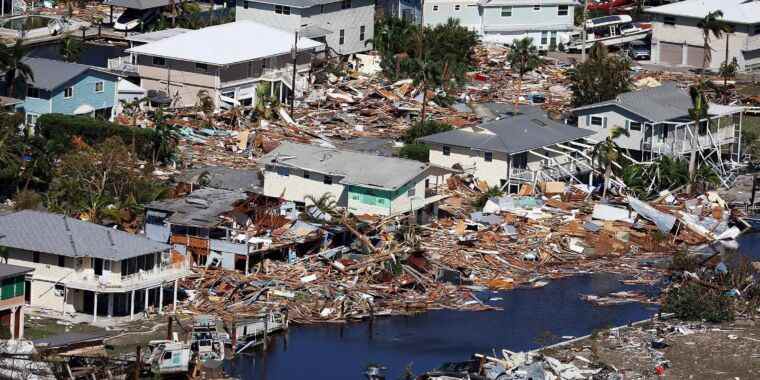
[{"x": 122, "y": 64}]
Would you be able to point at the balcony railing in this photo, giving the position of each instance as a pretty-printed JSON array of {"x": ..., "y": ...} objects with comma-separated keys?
[{"x": 123, "y": 64}]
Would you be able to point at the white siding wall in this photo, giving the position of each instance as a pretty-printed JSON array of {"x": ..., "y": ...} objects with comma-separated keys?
[
  {"x": 296, "y": 188},
  {"x": 439, "y": 12},
  {"x": 404, "y": 203},
  {"x": 613, "y": 119},
  {"x": 473, "y": 162},
  {"x": 329, "y": 16}
]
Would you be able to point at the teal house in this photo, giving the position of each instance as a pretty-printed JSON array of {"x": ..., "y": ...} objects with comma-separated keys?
[{"x": 67, "y": 88}]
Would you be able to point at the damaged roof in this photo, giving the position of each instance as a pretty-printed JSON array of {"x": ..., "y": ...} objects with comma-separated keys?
[
  {"x": 200, "y": 208},
  {"x": 355, "y": 168},
  {"x": 223, "y": 177},
  {"x": 510, "y": 135},
  {"x": 57, "y": 234},
  {"x": 8, "y": 270},
  {"x": 661, "y": 103}
]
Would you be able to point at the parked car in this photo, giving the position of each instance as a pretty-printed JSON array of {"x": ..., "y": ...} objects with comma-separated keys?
[
  {"x": 639, "y": 50},
  {"x": 131, "y": 19}
]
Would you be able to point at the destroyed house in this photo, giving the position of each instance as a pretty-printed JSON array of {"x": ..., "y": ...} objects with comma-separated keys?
[
  {"x": 359, "y": 182},
  {"x": 213, "y": 59},
  {"x": 514, "y": 150},
  {"x": 658, "y": 123},
  {"x": 84, "y": 268},
  {"x": 201, "y": 224}
]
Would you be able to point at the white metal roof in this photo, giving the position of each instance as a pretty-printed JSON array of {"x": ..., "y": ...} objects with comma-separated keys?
[
  {"x": 226, "y": 44},
  {"x": 736, "y": 11}
]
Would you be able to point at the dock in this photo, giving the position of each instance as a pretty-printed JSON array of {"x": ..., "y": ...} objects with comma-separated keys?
[{"x": 253, "y": 332}]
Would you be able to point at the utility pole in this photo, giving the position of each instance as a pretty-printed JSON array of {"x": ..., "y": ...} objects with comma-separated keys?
[
  {"x": 583, "y": 31},
  {"x": 293, "y": 80}
]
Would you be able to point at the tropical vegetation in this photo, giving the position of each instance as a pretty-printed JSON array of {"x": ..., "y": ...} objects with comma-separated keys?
[{"x": 601, "y": 77}]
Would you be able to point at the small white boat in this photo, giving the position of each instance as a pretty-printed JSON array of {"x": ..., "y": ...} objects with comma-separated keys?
[{"x": 610, "y": 30}]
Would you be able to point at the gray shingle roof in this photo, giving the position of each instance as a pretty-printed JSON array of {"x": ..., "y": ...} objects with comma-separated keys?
[
  {"x": 50, "y": 74},
  {"x": 222, "y": 177},
  {"x": 200, "y": 208},
  {"x": 354, "y": 168},
  {"x": 510, "y": 135},
  {"x": 656, "y": 104},
  {"x": 8, "y": 270},
  {"x": 61, "y": 235}
]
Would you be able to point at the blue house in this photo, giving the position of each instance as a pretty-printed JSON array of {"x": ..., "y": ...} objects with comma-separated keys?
[{"x": 67, "y": 88}]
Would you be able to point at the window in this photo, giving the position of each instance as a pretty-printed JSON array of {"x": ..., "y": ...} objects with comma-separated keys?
[
  {"x": 283, "y": 171},
  {"x": 756, "y": 30},
  {"x": 412, "y": 191},
  {"x": 488, "y": 156},
  {"x": 281, "y": 10},
  {"x": 342, "y": 37},
  {"x": 506, "y": 11},
  {"x": 553, "y": 39},
  {"x": 635, "y": 126},
  {"x": 457, "y": 8},
  {"x": 32, "y": 92},
  {"x": 202, "y": 67},
  {"x": 322, "y": 8},
  {"x": 446, "y": 150},
  {"x": 702, "y": 130},
  {"x": 669, "y": 20},
  {"x": 107, "y": 263},
  {"x": 31, "y": 119},
  {"x": 537, "y": 7},
  {"x": 327, "y": 180},
  {"x": 68, "y": 92},
  {"x": 435, "y": 8},
  {"x": 306, "y": 174},
  {"x": 361, "y": 33},
  {"x": 61, "y": 261},
  {"x": 159, "y": 61},
  {"x": 562, "y": 10},
  {"x": 544, "y": 38},
  {"x": 597, "y": 120},
  {"x": 98, "y": 86},
  {"x": 245, "y": 4},
  {"x": 345, "y": 4},
  {"x": 36, "y": 257}
]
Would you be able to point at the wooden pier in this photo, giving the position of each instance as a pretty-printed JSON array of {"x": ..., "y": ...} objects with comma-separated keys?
[{"x": 253, "y": 332}]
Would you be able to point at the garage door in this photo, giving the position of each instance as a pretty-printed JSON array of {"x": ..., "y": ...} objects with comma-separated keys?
[
  {"x": 671, "y": 53},
  {"x": 695, "y": 56}
]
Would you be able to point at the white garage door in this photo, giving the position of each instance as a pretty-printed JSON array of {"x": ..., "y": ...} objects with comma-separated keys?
[
  {"x": 695, "y": 56},
  {"x": 671, "y": 53}
]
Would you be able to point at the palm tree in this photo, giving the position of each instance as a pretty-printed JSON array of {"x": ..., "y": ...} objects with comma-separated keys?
[
  {"x": 698, "y": 112},
  {"x": 206, "y": 105},
  {"x": 711, "y": 24},
  {"x": 12, "y": 61},
  {"x": 523, "y": 56},
  {"x": 164, "y": 138},
  {"x": 607, "y": 152},
  {"x": 70, "y": 49},
  {"x": 326, "y": 205}
]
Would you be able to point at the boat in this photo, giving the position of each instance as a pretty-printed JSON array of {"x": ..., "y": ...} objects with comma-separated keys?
[
  {"x": 205, "y": 341},
  {"x": 610, "y": 31},
  {"x": 168, "y": 357},
  {"x": 608, "y": 5}
]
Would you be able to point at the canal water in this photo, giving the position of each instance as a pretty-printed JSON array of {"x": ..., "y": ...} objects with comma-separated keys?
[
  {"x": 530, "y": 318},
  {"x": 93, "y": 54}
]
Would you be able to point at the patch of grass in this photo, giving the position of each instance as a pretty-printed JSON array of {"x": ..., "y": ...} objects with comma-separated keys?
[{"x": 694, "y": 302}]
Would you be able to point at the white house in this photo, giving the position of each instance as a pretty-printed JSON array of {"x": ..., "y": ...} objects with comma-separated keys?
[
  {"x": 360, "y": 182},
  {"x": 547, "y": 22},
  {"x": 216, "y": 60},
  {"x": 85, "y": 268},
  {"x": 658, "y": 122},
  {"x": 345, "y": 25},
  {"x": 677, "y": 40},
  {"x": 514, "y": 150}
]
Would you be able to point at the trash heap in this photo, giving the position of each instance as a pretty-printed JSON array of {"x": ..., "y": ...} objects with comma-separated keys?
[{"x": 395, "y": 267}]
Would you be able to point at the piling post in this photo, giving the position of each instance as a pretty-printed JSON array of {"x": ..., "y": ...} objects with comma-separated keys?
[
  {"x": 266, "y": 330},
  {"x": 169, "y": 327},
  {"x": 138, "y": 363}
]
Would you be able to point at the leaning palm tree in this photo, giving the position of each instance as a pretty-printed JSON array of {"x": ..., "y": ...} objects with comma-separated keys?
[
  {"x": 606, "y": 153},
  {"x": 70, "y": 49},
  {"x": 326, "y": 207},
  {"x": 698, "y": 112},
  {"x": 12, "y": 60},
  {"x": 712, "y": 24}
]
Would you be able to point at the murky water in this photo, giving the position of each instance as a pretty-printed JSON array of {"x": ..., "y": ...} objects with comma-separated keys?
[
  {"x": 531, "y": 317},
  {"x": 93, "y": 54}
]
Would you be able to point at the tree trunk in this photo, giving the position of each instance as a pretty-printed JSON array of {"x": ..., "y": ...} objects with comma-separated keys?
[
  {"x": 607, "y": 173},
  {"x": 725, "y": 64},
  {"x": 692, "y": 171},
  {"x": 423, "y": 115}
]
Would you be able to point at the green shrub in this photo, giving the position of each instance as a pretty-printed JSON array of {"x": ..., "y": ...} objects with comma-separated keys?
[
  {"x": 419, "y": 152},
  {"x": 695, "y": 302},
  {"x": 59, "y": 129},
  {"x": 427, "y": 128}
]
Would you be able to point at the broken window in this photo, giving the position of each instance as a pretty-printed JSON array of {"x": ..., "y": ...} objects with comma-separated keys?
[
  {"x": 488, "y": 156},
  {"x": 327, "y": 180},
  {"x": 446, "y": 150}
]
